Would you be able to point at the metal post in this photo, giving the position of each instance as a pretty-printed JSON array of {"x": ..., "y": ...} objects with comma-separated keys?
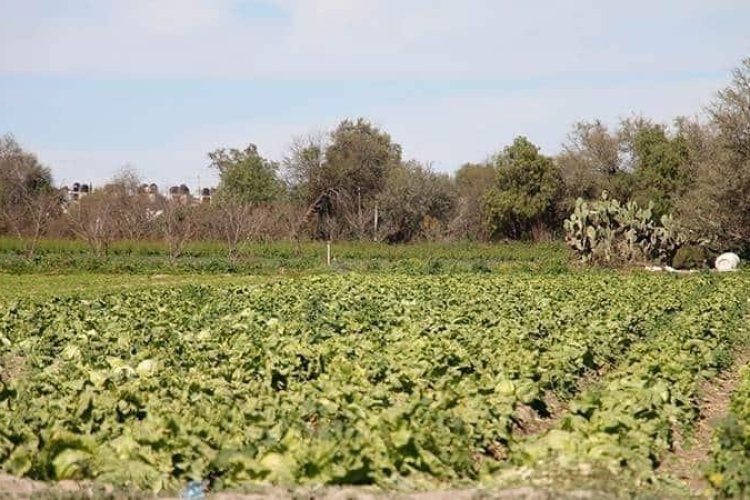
[{"x": 359, "y": 204}]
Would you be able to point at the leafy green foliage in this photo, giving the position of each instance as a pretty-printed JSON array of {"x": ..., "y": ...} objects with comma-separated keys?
[
  {"x": 473, "y": 182},
  {"x": 730, "y": 468},
  {"x": 67, "y": 256},
  {"x": 358, "y": 160},
  {"x": 20, "y": 171},
  {"x": 660, "y": 173},
  {"x": 639, "y": 160},
  {"x": 245, "y": 176},
  {"x": 692, "y": 257},
  {"x": 347, "y": 379},
  {"x": 341, "y": 176},
  {"x": 526, "y": 191},
  {"x": 628, "y": 420},
  {"x": 413, "y": 196}
]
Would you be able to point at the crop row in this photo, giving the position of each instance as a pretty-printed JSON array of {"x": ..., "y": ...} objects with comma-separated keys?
[
  {"x": 337, "y": 379},
  {"x": 730, "y": 466},
  {"x": 628, "y": 420}
]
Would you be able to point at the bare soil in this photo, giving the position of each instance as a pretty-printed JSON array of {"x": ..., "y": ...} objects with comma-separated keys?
[
  {"x": 529, "y": 420},
  {"x": 26, "y": 489},
  {"x": 10, "y": 367},
  {"x": 691, "y": 454}
]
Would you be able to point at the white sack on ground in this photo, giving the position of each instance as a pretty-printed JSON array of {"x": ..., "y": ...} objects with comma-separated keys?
[{"x": 727, "y": 262}]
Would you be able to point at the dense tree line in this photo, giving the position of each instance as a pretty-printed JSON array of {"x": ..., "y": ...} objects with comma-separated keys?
[{"x": 353, "y": 183}]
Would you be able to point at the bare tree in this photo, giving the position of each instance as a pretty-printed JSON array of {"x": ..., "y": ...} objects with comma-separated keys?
[
  {"x": 236, "y": 222},
  {"x": 594, "y": 146},
  {"x": 28, "y": 215},
  {"x": 94, "y": 219},
  {"x": 473, "y": 182},
  {"x": 302, "y": 167},
  {"x": 137, "y": 204},
  {"x": 730, "y": 112},
  {"x": 718, "y": 204},
  {"x": 138, "y": 217},
  {"x": 28, "y": 202},
  {"x": 179, "y": 225},
  {"x": 284, "y": 220}
]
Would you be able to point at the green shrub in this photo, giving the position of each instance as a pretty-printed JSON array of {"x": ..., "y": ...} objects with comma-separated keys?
[{"x": 692, "y": 257}]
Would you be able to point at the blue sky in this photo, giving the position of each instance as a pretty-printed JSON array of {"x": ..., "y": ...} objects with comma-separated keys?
[{"x": 92, "y": 85}]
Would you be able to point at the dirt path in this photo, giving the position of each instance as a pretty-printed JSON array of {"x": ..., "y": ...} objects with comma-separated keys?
[
  {"x": 692, "y": 455},
  {"x": 26, "y": 489}
]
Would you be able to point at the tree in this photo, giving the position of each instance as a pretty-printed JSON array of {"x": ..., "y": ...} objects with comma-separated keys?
[
  {"x": 590, "y": 159},
  {"x": 303, "y": 167},
  {"x": 349, "y": 169},
  {"x": 179, "y": 225},
  {"x": 359, "y": 159},
  {"x": 136, "y": 206},
  {"x": 119, "y": 209},
  {"x": 19, "y": 166},
  {"x": 596, "y": 146},
  {"x": 660, "y": 173},
  {"x": 473, "y": 182},
  {"x": 237, "y": 222},
  {"x": 640, "y": 160},
  {"x": 730, "y": 113},
  {"x": 248, "y": 184},
  {"x": 28, "y": 200},
  {"x": 415, "y": 200},
  {"x": 94, "y": 219},
  {"x": 526, "y": 192},
  {"x": 718, "y": 204},
  {"x": 245, "y": 176}
]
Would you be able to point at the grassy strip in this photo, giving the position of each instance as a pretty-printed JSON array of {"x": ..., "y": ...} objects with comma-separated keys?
[
  {"x": 510, "y": 251},
  {"x": 274, "y": 257}
]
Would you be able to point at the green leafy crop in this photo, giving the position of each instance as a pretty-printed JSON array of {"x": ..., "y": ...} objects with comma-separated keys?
[{"x": 392, "y": 380}]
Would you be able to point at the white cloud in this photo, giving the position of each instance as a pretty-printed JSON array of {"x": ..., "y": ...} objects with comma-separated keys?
[
  {"x": 169, "y": 17},
  {"x": 381, "y": 39}
]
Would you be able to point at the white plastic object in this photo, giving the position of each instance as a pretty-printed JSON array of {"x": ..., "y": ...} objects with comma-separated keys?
[{"x": 727, "y": 262}]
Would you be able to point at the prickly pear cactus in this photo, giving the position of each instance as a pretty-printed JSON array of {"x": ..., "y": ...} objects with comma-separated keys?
[{"x": 606, "y": 230}]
